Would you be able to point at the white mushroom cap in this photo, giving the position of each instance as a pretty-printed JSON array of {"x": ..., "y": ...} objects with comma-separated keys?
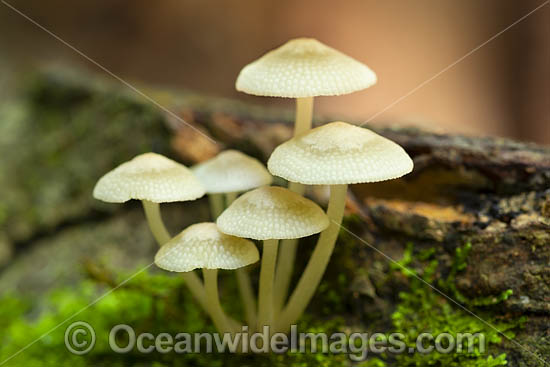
[
  {"x": 231, "y": 171},
  {"x": 151, "y": 177},
  {"x": 272, "y": 213},
  {"x": 202, "y": 245},
  {"x": 304, "y": 67},
  {"x": 339, "y": 153}
]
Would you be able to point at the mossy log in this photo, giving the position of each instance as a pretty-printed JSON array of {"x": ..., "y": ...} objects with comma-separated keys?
[{"x": 491, "y": 193}]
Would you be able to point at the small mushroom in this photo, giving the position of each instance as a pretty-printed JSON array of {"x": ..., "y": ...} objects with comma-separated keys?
[
  {"x": 153, "y": 179},
  {"x": 269, "y": 214},
  {"x": 336, "y": 154},
  {"x": 203, "y": 246},
  {"x": 304, "y": 68},
  {"x": 229, "y": 173}
]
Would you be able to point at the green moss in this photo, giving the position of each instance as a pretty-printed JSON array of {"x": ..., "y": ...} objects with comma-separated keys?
[
  {"x": 423, "y": 309},
  {"x": 459, "y": 264},
  {"x": 491, "y": 300},
  {"x": 148, "y": 303}
]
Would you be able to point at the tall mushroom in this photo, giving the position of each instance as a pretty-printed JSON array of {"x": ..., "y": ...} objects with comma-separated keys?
[
  {"x": 203, "y": 246},
  {"x": 302, "y": 68},
  {"x": 336, "y": 154},
  {"x": 153, "y": 179},
  {"x": 269, "y": 214},
  {"x": 227, "y": 174}
]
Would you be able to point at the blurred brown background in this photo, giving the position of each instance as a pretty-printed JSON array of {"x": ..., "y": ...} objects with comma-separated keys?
[{"x": 502, "y": 89}]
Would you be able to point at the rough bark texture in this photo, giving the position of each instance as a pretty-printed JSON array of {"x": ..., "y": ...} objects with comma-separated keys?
[{"x": 491, "y": 193}]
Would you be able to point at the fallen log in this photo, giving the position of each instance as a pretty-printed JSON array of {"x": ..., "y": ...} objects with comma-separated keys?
[{"x": 490, "y": 196}]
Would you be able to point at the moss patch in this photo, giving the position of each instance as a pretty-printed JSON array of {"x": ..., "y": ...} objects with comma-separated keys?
[
  {"x": 423, "y": 309},
  {"x": 148, "y": 303}
]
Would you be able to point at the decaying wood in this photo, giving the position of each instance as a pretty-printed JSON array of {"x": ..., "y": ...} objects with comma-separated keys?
[{"x": 492, "y": 193}]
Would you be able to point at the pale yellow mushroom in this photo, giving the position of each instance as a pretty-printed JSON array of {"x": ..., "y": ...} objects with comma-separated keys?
[
  {"x": 153, "y": 179},
  {"x": 270, "y": 214},
  {"x": 228, "y": 174},
  {"x": 336, "y": 154},
  {"x": 203, "y": 246},
  {"x": 150, "y": 177},
  {"x": 302, "y": 68}
]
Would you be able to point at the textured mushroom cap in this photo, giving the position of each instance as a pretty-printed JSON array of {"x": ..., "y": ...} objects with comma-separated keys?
[
  {"x": 231, "y": 171},
  {"x": 272, "y": 213},
  {"x": 151, "y": 177},
  {"x": 339, "y": 153},
  {"x": 304, "y": 67},
  {"x": 202, "y": 245}
]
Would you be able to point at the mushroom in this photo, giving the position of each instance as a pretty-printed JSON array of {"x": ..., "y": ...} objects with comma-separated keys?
[
  {"x": 336, "y": 154},
  {"x": 269, "y": 214},
  {"x": 302, "y": 68},
  {"x": 229, "y": 173},
  {"x": 153, "y": 179},
  {"x": 203, "y": 246}
]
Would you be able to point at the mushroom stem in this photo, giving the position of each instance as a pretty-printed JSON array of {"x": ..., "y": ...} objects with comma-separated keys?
[
  {"x": 267, "y": 272},
  {"x": 318, "y": 262},
  {"x": 244, "y": 283},
  {"x": 216, "y": 205},
  {"x": 157, "y": 227},
  {"x": 287, "y": 255},
  {"x": 229, "y": 198},
  {"x": 283, "y": 273},
  {"x": 247, "y": 296},
  {"x": 304, "y": 114},
  {"x": 285, "y": 264},
  {"x": 216, "y": 311}
]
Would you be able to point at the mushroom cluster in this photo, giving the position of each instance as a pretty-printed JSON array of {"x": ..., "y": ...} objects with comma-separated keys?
[{"x": 336, "y": 154}]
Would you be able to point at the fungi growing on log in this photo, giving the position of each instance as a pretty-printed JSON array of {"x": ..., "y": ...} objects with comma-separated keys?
[
  {"x": 223, "y": 177},
  {"x": 203, "y": 246},
  {"x": 271, "y": 214},
  {"x": 302, "y": 68},
  {"x": 153, "y": 179},
  {"x": 335, "y": 154}
]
